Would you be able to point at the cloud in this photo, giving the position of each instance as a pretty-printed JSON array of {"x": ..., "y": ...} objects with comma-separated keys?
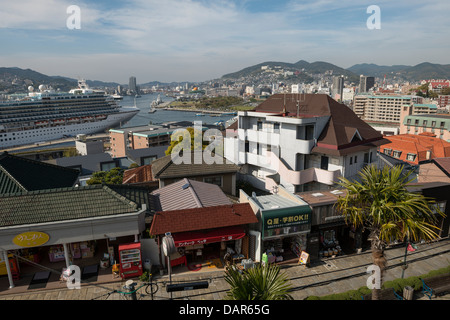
[{"x": 171, "y": 39}]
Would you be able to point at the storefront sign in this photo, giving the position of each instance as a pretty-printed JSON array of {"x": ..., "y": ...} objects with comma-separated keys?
[
  {"x": 185, "y": 239},
  {"x": 31, "y": 239},
  {"x": 286, "y": 219},
  {"x": 304, "y": 258}
]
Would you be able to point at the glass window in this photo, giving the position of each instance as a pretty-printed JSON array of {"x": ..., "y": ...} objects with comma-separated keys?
[
  {"x": 107, "y": 166},
  {"x": 148, "y": 160},
  {"x": 214, "y": 180},
  {"x": 411, "y": 157}
]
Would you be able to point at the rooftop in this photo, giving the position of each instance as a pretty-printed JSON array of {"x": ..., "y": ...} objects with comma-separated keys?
[
  {"x": 187, "y": 194},
  {"x": 165, "y": 168},
  {"x": 338, "y": 136},
  {"x": 62, "y": 204},
  {"x": 323, "y": 197},
  {"x": 202, "y": 218},
  {"x": 275, "y": 201},
  {"x": 21, "y": 174},
  {"x": 418, "y": 145}
]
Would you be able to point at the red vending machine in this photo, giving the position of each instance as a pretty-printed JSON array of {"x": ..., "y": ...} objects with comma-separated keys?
[{"x": 130, "y": 260}]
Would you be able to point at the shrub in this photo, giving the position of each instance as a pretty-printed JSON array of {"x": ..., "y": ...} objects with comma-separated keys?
[{"x": 398, "y": 285}]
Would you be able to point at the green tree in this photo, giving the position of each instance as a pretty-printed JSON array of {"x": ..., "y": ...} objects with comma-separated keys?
[
  {"x": 113, "y": 176},
  {"x": 258, "y": 283},
  {"x": 381, "y": 203},
  {"x": 196, "y": 135}
]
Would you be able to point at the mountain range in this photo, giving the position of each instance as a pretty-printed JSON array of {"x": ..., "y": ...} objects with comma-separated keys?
[
  {"x": 422, "y": 71},
  {"x": 304, "y": 71}
]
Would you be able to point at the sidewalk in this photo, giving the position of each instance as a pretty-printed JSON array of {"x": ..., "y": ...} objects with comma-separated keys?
[{"x": 323, "y": 278}]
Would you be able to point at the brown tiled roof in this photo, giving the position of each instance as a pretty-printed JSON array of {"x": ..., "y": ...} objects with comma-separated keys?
[
  {"x": 165, "y": 168},
  {"x": 202, "y": 218},
  {"x": 418, "y": 145},
  {"x": 187, "y": 194},
  {"x": 443, "y": 164},
  {"x": 342, "y": 126},
  {"x": 139, "y": 174},
  {"x": 430, "y": 172}
]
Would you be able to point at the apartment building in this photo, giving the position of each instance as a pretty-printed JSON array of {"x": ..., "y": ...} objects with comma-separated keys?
[
  {"x": 444, "y": 101},
  {"x": 302, "y": 142},
  {"x": 143, "y": 137},
  {"x": 385, "y": 108},
  {"x": 436, "y": 124}
]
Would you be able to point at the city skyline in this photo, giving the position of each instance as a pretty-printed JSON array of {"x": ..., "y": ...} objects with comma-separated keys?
[{"x": 190, "y": 40}]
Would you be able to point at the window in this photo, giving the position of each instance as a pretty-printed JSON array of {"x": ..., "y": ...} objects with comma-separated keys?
[
  {"x": 276, "y": 127},
  {"x": 351, "y": 160},
  {"x": 387, "y": 151},
  {"x": 433, "y": 123},
  {"x": 107, "y": 166},
  {"x": 214, "y": 180},
  {"x": 309, "y": 132},
  {"x": 425, "y": 122},
  {"x": 148, "y": 160},
  {"x": 356, "y": 159},
  {"x": 259, "y": 125},
  {"x": 411, "y": 157},
  {"x": 442, "y": 124},
  {"x": 397, "y": 153},
  {"x": 416, "y": 122},
  {"x": 408, "y": 121}
]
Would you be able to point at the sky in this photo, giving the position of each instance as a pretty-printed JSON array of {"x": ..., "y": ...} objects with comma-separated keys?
[{"x": 200, "y": 40}]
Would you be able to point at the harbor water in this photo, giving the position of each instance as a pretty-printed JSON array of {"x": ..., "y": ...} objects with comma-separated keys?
[{"x": 160, "y": 116}]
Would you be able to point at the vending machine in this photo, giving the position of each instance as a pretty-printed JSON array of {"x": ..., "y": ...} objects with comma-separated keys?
[{"x": 130, "y": 259}]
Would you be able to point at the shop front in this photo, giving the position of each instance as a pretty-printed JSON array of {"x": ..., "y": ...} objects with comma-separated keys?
[
  {"x": 284, "y": 234},
  {"x": 210, "y": 236},
  {"x": 89, "y": 242}
]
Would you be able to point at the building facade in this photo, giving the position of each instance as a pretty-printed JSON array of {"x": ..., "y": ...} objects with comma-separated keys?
[
  {"x": 384, "y": 108},
  {"x": 436, "y": 124},
  {"x": 302, "y": 142}
]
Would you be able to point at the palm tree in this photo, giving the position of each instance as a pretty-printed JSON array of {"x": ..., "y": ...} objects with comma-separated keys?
[
  {"x": 381, "y": 203},
  {"x": 258, "y": 283}
]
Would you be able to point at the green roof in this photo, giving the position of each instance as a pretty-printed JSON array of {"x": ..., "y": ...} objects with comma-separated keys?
[
  {"x": 61, "y": 204},
  {"x": 21, "y": 174}
]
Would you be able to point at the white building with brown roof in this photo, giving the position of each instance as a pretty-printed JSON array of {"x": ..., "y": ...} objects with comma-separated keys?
[{"x": 301, "y": 141}]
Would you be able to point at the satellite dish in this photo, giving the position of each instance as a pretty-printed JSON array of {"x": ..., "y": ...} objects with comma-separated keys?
[{"x": 31, "y": 88}]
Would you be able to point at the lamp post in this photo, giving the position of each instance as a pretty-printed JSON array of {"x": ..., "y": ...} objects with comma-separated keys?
[
  {"x": 168, "y": 246},
  {"x": 408, "y": 247}
]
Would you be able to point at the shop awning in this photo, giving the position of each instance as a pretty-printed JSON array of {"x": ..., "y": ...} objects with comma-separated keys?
[{"x": 190, "y": 238}]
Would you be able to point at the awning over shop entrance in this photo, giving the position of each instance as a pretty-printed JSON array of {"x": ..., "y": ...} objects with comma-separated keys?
[{"x": 190, "y": 238}]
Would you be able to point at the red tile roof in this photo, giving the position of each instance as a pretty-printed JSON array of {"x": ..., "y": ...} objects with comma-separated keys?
[
  {"x": 418, "y": 145},
  {"x": 202, "y": 218}
]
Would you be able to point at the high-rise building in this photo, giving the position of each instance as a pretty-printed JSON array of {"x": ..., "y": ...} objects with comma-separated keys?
[
  {"x": 132, "y": 85},
  {"x": 365, "y": 83},
  {"x": 337, "y": 91}
]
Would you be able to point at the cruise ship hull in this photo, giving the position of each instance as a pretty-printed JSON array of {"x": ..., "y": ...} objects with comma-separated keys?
[{"x": 48, "y": 133}]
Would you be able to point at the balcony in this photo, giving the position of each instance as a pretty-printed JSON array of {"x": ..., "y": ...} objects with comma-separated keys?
[
  {"x": 303, "y": 176},
  {"x": 262, "y": 137}
]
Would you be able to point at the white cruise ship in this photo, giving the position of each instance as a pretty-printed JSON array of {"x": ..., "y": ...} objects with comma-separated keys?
[{"x": 48, "y": 115}]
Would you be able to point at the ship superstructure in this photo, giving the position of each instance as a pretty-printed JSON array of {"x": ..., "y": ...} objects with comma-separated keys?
[{"x": 47, "y": 115}]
